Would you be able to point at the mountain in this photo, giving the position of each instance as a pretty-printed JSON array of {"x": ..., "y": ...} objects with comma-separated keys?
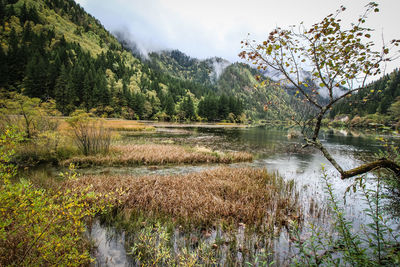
[
  {"x": 181, "y": 66},
  {"x": 376, "y": 97},
  {"x": 224, "y": 78},
  {"x": 53, "y": 49}
]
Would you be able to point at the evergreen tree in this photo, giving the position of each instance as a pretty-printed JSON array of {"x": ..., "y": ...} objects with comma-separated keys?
[
  {"x": 223, "y": 107},
  {"x": 15, "y": 61},
  {"x": 3, "y": 69},
  {"x": 87, "y": 91},
  {"x": 36, "y": 80},
  {"x": 104, "y": 93},
  {"x": 62, "y": 92},
  {"x": 138, "y": 104},
  {"x": 33, "y": 15},
  {"x": 188, "y": 108},
  {"x": 2, "y": 11},
  {"x": 23, "y": 14},
  {"x": 170, "y": 106},
  {"x": 208, "y": 107}
]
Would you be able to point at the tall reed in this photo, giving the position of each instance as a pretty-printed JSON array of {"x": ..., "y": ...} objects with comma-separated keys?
[
  {"x": 91, "y": 136},
  {"x": 230, "y": 195}
]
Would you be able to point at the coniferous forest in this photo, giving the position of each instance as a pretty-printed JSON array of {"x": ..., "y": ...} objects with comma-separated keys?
[{"x": 55, "y": 50}]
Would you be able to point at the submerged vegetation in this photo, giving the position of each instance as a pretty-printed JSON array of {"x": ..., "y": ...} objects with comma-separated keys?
[{"x": 153, "y": 248}]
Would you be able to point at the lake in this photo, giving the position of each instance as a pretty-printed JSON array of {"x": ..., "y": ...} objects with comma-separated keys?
[{"x": 273, "y": 151}]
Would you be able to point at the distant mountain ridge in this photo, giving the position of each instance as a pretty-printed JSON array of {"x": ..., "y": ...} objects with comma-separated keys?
[{"x": 53, "y": 49}]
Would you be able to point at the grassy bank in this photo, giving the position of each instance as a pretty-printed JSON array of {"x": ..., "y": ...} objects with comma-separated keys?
[
  {"x": 88, "y": 141},
  {"x": 157, "y": 154}
]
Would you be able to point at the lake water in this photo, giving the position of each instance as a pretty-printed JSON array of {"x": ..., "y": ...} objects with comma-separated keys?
[{"x": 273, "y": 151}]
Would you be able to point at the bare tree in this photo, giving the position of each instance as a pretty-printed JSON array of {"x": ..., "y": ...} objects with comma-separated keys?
[{"x": 324, "y": 60}]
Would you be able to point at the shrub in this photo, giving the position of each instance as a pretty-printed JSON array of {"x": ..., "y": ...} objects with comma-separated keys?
[
  {"x": 356, "y": 121},
  {"x": 29, "y": 115},
  {"x": 90, "y": 135},
  {"x": 39, "y": 227}
]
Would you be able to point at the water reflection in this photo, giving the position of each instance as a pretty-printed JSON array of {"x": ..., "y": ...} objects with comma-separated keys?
[
  {"x": 110, "y": 246},
  {"x": 275, "y": 152}
]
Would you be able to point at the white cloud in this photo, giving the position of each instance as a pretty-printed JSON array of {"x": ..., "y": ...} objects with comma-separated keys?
[{"x": 210, "y": 28}]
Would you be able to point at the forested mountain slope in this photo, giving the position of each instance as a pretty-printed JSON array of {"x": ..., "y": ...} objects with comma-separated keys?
[
  {"x": 378, "y": 97},
  {"x": 222, "y": 79},
  {"x": 53, "y": 49}
]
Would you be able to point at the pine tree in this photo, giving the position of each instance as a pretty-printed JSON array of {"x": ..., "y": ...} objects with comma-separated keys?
[
  {"x": 36, "y": 80},
  {"x": 223, "y": 107},
  {"x": 170, "y": 106},
  {"x": 15, "y": 61},
  {"x": 63, "y": 93},
  {"x": 87, "y": 91},
  {"x": 23, "y": 14},
  {"x": 3, "y": 69},
  {"x": 33, "y": 15},
  {"x": 138, "y": 104},
  {"x": 188, "y": 108},
  {"x": 2, "y": 11},
  {"x": 208, "y": 107}
]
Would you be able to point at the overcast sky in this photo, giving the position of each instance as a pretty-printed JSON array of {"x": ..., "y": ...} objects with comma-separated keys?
[{"x": 207, "y": 28}]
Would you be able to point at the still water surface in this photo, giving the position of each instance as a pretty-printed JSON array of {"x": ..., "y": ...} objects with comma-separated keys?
[{"x": 273, "y": 151}]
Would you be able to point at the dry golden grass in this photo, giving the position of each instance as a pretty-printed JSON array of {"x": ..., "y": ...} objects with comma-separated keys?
[
  {"x": 225, "y": 194},
  {"x": 225, "y": 123},
  {"x": 126, "y": 125},
  {"x": 63, "y": 126},
  {"x": 157, "y": 154},
  {"x": 116, "y": 125}
]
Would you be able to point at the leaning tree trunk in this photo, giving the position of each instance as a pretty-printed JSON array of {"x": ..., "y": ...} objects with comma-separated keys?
[{"x": 364, "y": 168}]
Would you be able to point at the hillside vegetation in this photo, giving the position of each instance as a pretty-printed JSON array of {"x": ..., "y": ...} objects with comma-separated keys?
[
  {"x": 379, "y": 103},
  {"x": 55, "y": 50}
]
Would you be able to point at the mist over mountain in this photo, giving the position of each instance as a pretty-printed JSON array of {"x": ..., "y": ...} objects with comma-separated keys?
[{"x": 56, "y": 50}]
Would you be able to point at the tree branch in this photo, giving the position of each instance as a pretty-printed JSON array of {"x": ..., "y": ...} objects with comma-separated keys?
[
  {"x": 364, "y": 168},
  {"x": 381, "y": 163}
]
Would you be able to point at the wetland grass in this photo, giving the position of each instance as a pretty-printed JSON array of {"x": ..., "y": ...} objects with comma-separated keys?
[
  {"x": 115, "y": 125},
  {"x": 223, "y": 195},
  {"x": 128, "y": 125},
  {"x": 157, "y": 154}
]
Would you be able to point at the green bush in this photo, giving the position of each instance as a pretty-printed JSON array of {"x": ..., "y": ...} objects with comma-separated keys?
[{"x": 39, "y": 227}]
